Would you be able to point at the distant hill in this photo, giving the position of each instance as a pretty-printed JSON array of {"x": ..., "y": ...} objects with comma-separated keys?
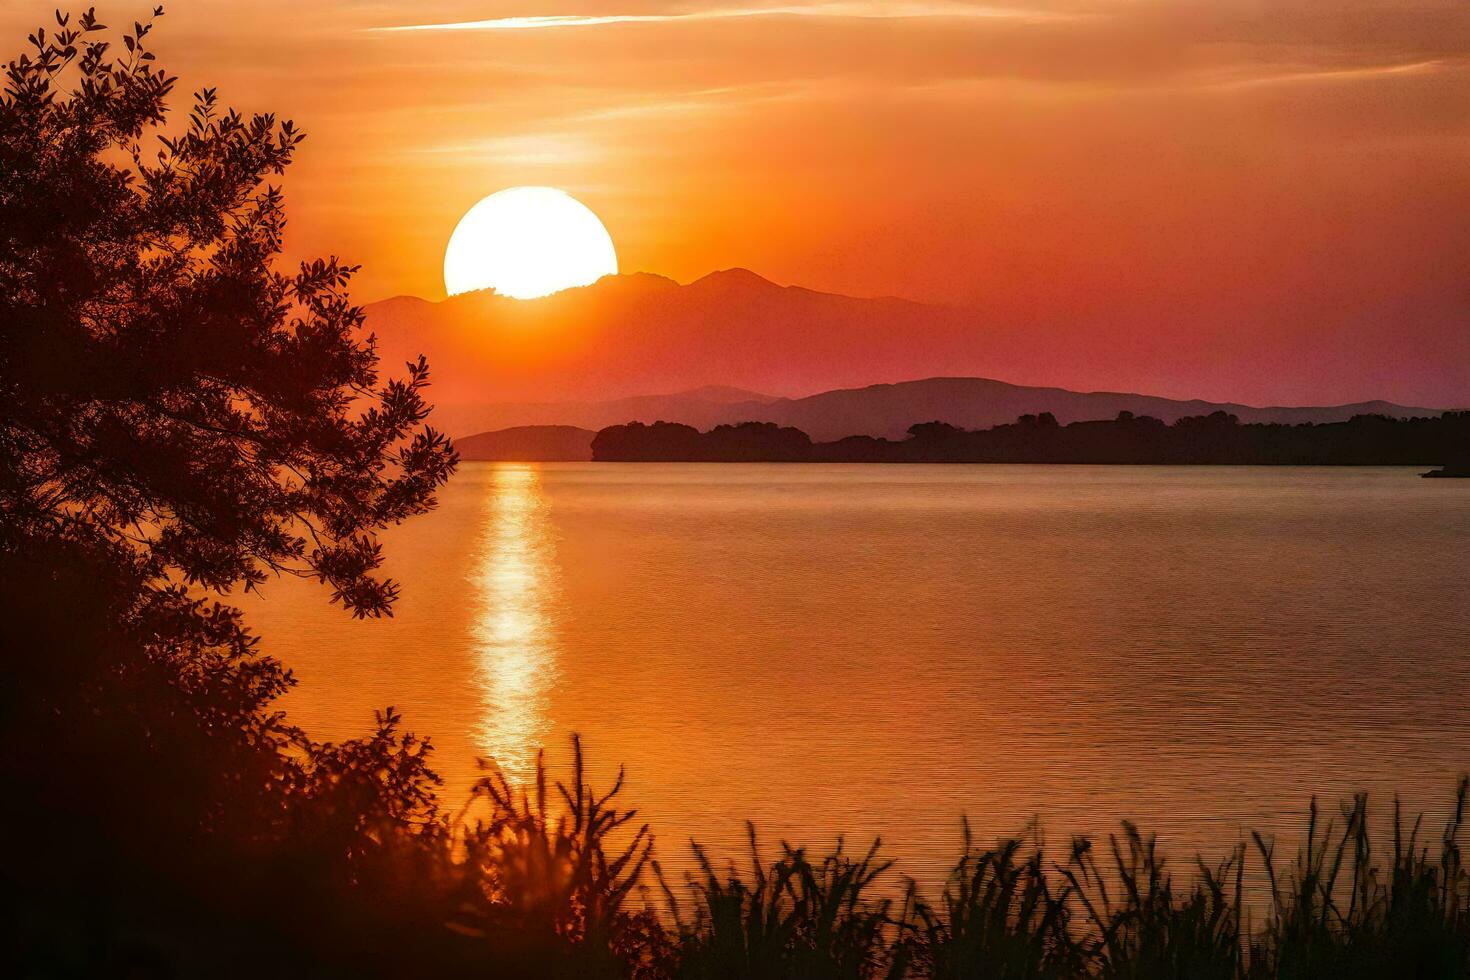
[
  {"x": 726, "y": 343},
  {"x": 528, "y": 444},
  {"x": 887, "y": 410},
  {"x": 709, "y": 405},
  {"x": 731, "y": 335}
]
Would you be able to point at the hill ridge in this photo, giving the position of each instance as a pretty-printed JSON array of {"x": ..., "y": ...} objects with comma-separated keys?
[
  {"x": 875, "y": 365},
  {"x": 887, "y": 409}
]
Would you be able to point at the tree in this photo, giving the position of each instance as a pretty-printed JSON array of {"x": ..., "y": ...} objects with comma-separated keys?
[
  {"x": 935, "y": 431},
  {"x": 163, "y": 387},
  {"x": 178, "y": 418}
]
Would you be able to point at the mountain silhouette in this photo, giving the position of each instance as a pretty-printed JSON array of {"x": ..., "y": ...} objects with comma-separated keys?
[
  {"x": 589, "y": 357},
  {"x": 627, "y": 336},
  {"x": 887, "y": 410},
  {"x": 529, "y": 444}
]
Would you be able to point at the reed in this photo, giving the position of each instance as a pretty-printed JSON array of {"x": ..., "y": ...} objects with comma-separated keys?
[
  {"x": 366, "y": 877},
  {"x": 1345, "y": 906}
]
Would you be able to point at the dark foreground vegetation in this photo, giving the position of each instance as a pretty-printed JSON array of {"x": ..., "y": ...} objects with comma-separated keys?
[
  {"x": 1219, "y": 438},
  {"x": 181, "y": 420}
]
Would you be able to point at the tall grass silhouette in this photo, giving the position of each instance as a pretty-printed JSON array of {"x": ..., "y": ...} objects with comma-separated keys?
[{"x": 564, "y": 864}]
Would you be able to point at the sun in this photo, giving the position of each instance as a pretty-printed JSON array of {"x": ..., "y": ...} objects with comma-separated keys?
[{"x": 527, "y": 242}]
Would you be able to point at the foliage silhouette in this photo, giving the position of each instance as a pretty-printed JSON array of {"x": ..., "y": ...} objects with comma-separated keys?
[
  {"x": 673, "y": 441},
  {"x": 1000, "y": 915},
  {"x": 1218, "y": 438},
  {"x": 163, "y": 385},
  {"x": 793, "y": 918},
  {"x": 177, "y": 419},
  {"x": 560, "y": 883}
]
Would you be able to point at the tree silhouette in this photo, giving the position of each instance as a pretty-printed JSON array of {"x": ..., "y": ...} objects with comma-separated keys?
[
  {"x": 935, "y": 431},
  {"x": 1218, "y": 438},
  {"x": 164, "y": 386},
  {"x": 178, "y": 418}
]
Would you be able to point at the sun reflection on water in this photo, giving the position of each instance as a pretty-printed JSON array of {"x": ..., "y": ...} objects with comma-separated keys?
[{"x": 515, "y": 582}]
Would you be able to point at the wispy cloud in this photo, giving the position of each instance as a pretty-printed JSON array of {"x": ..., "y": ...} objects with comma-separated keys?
[
  {"x": 1330, "y": 75},
  {"x": 834, "y": 9}
]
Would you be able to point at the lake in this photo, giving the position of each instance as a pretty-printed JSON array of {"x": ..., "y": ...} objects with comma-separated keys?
[{"x": 877, "y": 650}]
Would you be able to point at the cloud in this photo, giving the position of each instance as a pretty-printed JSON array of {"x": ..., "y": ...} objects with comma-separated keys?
[
  {"x": 832, "y": 9},
  {"x": 1105, "y": 45},
  {"x": 1333, "y": 75}
]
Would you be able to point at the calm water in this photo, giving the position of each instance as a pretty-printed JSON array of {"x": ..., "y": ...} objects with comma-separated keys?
[{"x": 878, "y": 650}]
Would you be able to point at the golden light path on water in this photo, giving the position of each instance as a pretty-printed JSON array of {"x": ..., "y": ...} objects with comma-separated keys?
[{"x": 516, "y": 587}]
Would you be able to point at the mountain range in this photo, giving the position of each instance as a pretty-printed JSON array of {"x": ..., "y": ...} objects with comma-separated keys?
[
  {"x": 564, "y": 430},
  {"x": 735, "y": 347}
]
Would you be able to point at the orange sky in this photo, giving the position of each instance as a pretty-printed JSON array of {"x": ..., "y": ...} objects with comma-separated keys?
[{"x": 1213, "y": 169}]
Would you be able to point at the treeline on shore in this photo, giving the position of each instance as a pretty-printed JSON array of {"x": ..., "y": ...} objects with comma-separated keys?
[{"x": 1218, "y": 438}]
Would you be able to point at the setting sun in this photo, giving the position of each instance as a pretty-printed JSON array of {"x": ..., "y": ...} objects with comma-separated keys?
[{"x": 526, "y": 242}]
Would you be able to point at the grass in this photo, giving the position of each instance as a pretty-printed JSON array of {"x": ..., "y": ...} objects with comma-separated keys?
[
  {"x": 358, "y": 873},
  {"x": 1340, "y": 908}
]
